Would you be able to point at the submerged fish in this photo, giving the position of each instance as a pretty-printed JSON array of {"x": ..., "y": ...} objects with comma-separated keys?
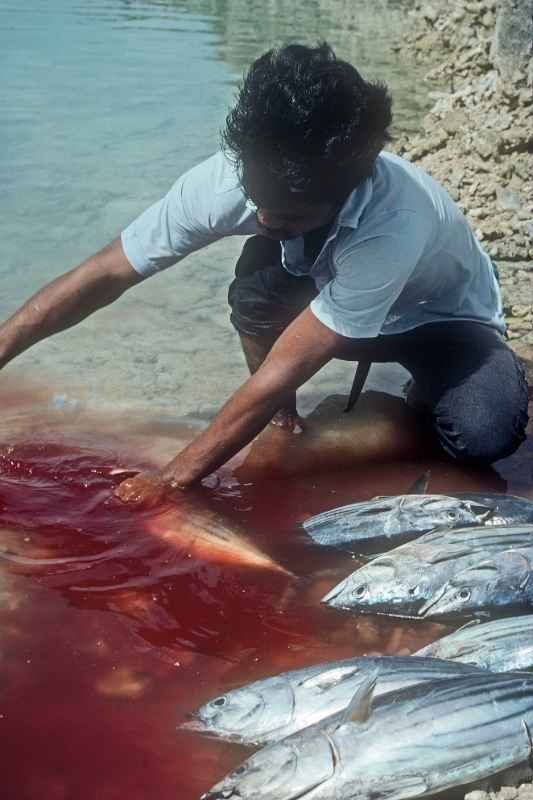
[
  {"x": 500, "y": 645},
  {"x": 406, "y": 578},
  {"x": 205, "y": 535},
  {"x": 495, "y": 585},
  {"x": 430, "y": 738},
  {"x": 383, "y": 521},
  {"x": 270, "y": 709}
]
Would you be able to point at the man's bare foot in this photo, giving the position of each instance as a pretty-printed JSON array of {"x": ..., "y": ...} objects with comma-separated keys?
[{"x": 288, "y": 420}]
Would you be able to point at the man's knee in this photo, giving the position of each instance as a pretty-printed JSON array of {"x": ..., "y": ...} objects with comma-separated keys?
[
  {"x": 484, "y": 431},
  {"x": 264, "y": 298}
]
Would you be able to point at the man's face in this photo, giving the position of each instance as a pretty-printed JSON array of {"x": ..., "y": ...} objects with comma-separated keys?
[{"x": 286, "y": 223}]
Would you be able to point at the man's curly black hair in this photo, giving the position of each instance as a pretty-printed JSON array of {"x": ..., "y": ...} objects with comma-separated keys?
[{"x": 306, "y": 127}]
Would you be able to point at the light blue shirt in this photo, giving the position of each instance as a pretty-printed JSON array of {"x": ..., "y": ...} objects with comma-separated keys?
[{"x": 399, "y": 254}]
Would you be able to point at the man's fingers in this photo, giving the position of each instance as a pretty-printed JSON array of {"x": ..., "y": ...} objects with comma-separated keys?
[
  {"x": 288, "y": 420},
  {"x": 144, "y": 489}
]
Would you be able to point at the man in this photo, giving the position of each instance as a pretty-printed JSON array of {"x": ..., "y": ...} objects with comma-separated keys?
[{"x": 375, "y": 263}]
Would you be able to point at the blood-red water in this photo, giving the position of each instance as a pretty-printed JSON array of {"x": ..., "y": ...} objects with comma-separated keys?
[{"x": 109, "y": 635}]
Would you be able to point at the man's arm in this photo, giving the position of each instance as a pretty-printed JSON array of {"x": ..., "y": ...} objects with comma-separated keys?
[
  {"x": 67, "y": 300},
  {"x": 301, "y": 350}
]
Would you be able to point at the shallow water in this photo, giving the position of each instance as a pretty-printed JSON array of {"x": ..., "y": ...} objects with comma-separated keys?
[
  {"x": 110, "y": 633},
  {"x": 104, "y": 104}
]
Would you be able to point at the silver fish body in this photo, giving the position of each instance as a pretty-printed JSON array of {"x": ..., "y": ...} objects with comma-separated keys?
[
  {"x": 427, "y": 739},
  {"x": 498, "y": 585},
  {"x": 405, "y": 579},
  {"x": 382, "y": 521},
  {"x": 273, "y": 708},
  {"x": 500, "y": 645}
]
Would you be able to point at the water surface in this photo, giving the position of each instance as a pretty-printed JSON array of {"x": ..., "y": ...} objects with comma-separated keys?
[
  {"x": 114, "y": 624},
  {"x": 104, "y": 105}
]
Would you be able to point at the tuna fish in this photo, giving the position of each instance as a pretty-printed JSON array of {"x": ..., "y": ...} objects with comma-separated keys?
[
  {"x": 428, "y": 739},
  {"x": 270, "y": 709},
  {"x": 385, "y": 521},
  {"x": 205, "y": 535},
  {"x": 500, "y": 645},
  {"x": 496, "y": 585},
  {"x": 403, "y": 580}
]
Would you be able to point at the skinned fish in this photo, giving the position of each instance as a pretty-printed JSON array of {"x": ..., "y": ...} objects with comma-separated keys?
[
  {"x": 405, "y": 579},
  {"x": 493, "y": 586},
  {"x": 207, "y": 536},
  {"x": 415, "y": 742},
  {"x": 500, "y": 645},
  {"x": 270, "y": 709},
  {"x": 385, "y": 521}
]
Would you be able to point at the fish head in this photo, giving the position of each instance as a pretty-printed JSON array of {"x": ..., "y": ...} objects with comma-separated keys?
[
  {"x": 381, "y": 585},
  {"x": 245, "y": 713},
  {"x": 477, "y": 588},
  {"x": 286, "y": 770}
]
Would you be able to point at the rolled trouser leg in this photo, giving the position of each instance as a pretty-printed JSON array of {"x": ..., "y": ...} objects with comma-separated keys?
[
  {"x": 264, "y": 297},
  {"x": 475, "y": 390}
]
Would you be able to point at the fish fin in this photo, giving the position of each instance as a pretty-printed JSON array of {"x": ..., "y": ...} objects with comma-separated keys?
[
  {"x": 359, "y": 707},
  {"x": 413, "y": 785},
  {"x": 446, "y": 555},
  {"x": 484, "y": 511},
  {"x": 468, "y": 624},
  {"x": 423, "y": 610},
  {"x": 329, "y": 678},
  {"x": 530, "y": 740},
  {"x": 484, "y": 566},
  {"x": 420, "y": 486}
]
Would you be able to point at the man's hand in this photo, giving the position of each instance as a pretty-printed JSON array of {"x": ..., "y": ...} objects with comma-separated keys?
[
  {"x": 304, "y": 347},
  {"x": 147, "y": 489},
  {"x": 288, "y": 420}
]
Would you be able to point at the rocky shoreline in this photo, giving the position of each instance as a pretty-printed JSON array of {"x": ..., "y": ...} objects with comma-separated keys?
[{"x": 477, "y": 140}]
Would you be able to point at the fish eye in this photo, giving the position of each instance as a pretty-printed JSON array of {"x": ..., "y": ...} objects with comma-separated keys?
[
  {"x": 464, "y": 594},
  {"x": 220, "y": 701},
  {"x": 360, "y": 591},
  {"x": 451, "y": 514}
]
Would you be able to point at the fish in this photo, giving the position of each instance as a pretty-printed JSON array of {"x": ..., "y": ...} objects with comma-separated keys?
[
  {"x": 411, "y": 743},
  {"x": 268, "y": 710},
  {"x": 381, "y": 428},
  {"x": 384, "y": 521},
  {"x": 492, "y": 586},
  {"x": 402, "y": 581},
  {"x": 206, "y": 535},
  {"x": 500, "y": 645}
]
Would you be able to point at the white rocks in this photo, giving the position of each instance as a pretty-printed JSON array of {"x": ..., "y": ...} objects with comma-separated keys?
[
  {"x": 430, "y": 13},
  {"x": 507, "y": 199}
]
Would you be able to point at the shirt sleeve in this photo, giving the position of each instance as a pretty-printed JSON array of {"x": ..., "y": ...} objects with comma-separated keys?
[
  {"x": 183, "y": 221},
  {"x": 370, "y": 274}
]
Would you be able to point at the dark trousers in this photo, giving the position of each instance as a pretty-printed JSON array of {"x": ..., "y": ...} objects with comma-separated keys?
[{"x": 466, "y": 377}]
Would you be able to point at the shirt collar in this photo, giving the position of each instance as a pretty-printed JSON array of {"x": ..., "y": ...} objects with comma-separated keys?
[{"x": 355, "y": 204}]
